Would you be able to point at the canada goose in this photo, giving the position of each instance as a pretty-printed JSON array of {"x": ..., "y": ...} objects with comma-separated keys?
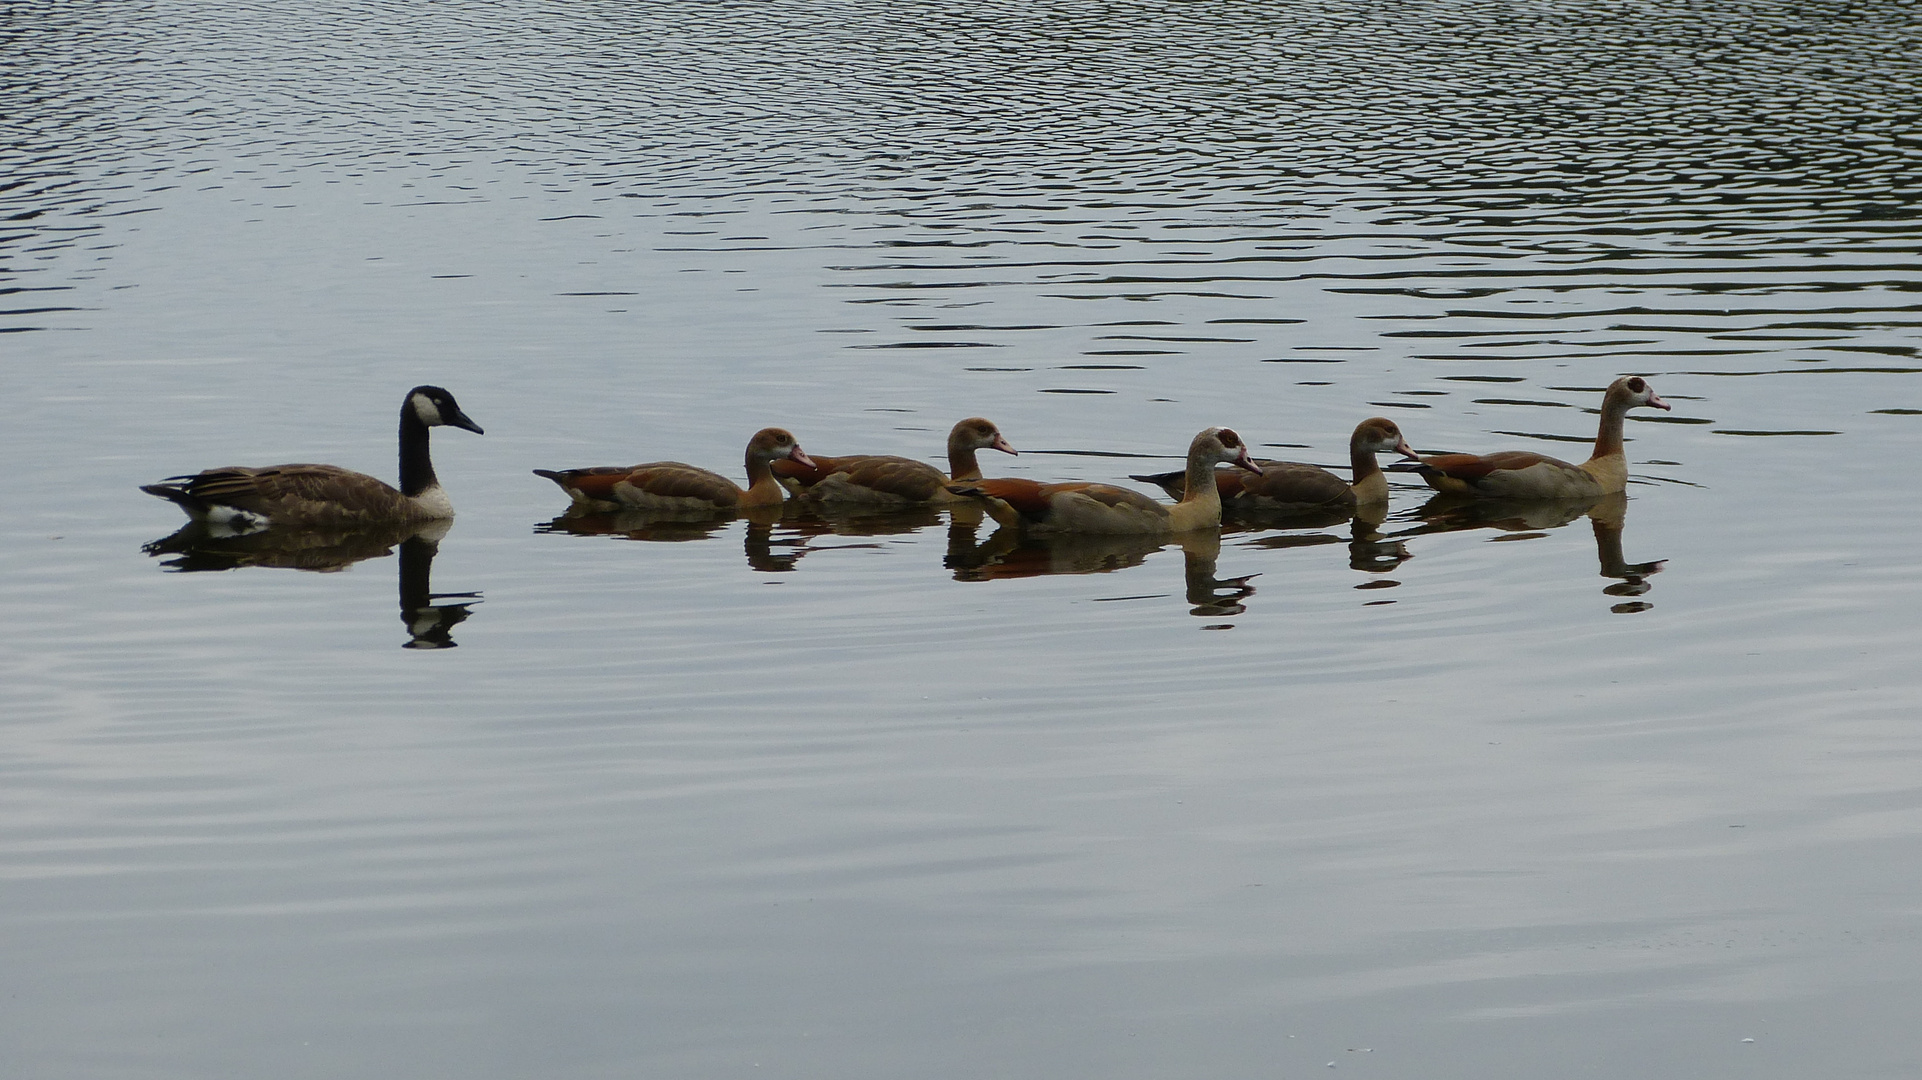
[
  {"x": 1105, "y": 508},
  {"x": 670, "y": 485},
  {"x": 884, "y": 480},
  {"x": 327, "y": 496},
  {"x": 1522, "y": 474},
  {"x": 1293, "y": 487}
]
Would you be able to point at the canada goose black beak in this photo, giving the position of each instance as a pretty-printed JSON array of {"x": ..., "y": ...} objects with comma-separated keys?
[{"x": 460, "y": 420}]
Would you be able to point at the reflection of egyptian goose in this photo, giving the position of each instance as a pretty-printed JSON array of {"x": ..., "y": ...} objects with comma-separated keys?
[
  {"x": 327, "y": 496},
  {"x": 1104, "y": 508},
  {"x": 1292, "y": 487},
  {"x": 881, "y": 480},
  {"x": 670, "y": 485},
  {"x": 1520, "y": 474}
]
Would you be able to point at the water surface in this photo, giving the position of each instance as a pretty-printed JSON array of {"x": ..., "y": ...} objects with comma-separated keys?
[{"x": 1608, "y": 792}]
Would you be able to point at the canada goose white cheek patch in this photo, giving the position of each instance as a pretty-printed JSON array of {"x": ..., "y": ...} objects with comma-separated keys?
[{"x": 425, "y": 408}]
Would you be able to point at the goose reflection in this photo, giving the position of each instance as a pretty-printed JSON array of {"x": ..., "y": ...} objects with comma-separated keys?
[
  {"x": 1369, "y": 552},
  {"x": 1013, "y": 553},
  {"x": 775, "y": 537},
  {"x": 1526, "y": 519},
  {"x": 199, "y": 547}
]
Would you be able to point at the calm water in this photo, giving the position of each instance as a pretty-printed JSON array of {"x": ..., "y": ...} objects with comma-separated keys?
[{"x": 1636, "y": 793}]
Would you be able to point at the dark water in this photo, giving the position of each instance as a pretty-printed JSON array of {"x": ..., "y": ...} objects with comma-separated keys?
[{"x": 1604, "y": 791}]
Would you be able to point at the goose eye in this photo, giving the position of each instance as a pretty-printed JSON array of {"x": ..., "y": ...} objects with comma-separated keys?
[
  {"x": 1637, "y": 385},
  {"x": 1229, "y": 438}
]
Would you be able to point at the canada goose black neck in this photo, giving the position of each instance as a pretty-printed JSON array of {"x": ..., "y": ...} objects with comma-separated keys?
[{"x": 416, "y": 467}]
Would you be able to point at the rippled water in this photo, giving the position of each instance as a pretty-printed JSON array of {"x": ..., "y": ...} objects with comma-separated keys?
[{"x": 1602, "y": 791}]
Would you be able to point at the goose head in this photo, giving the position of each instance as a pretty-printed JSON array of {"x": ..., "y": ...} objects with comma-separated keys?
[
  {"x": 1223, "y": 445},
  {"x": 769, "y": 444},
  {"x": 435, "y": 407},
  {"x": 1633, "y": 391},
  {"x": 1379, "y": 435},
  {"x": 977, "y": 433}
]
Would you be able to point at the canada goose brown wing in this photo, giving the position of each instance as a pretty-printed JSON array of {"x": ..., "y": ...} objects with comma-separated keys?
[{"x": 299, "y": 494}]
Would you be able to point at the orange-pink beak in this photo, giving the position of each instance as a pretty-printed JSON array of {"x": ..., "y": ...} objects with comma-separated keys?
[
  {"x": 1243, "y": 461},
  {"x": 1001, "y": 444},
  {"x": 799, "y": 457},
  {"x": 1658, "y": 403}
]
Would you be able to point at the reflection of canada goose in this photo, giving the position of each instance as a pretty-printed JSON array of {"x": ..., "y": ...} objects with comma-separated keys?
[
  {"x": 670, "y": 485},
  {"x": 881, "y": 480},
  {"x": 1521, "y": 474},
  {"x": 1104, "y": 508},
  {"x": 1292, "y": 487},
  {"x": 327, "y": 496},
  {"x": 198, "y": 546}
]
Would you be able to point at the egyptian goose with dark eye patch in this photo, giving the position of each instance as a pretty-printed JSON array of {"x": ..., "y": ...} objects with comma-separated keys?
[
  {"x": 1104, "y": 508},
  {"x": 1521, "y": 474},
  {"x": 327, "y": 496},
  {"x": 670, "y": 485},
  {"x": 1292, "y": 487},
  {"x": 881, "y": 480}
]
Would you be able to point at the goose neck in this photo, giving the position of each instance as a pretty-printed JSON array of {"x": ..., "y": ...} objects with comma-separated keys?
[{"x": 416, "y": 466}]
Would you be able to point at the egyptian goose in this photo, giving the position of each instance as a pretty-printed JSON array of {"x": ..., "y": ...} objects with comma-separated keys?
[
  {"x": 1522, "y": 474},
  {"x": 1104, "y": 508},
  {"x": 241, "y": 499},
  {"x": 670, "y": 485},
  {"x": 1292, "y": 487},
  {"x": 881, "y": 480}
]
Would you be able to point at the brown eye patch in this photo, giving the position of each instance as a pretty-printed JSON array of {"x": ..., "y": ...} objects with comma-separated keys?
[
  {"x": 1229, "y": 438},
  {"x": 1637, "y": 385}
]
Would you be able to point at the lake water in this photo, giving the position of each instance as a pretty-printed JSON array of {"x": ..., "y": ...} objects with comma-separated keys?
[{"x": 1631, "y": 794}]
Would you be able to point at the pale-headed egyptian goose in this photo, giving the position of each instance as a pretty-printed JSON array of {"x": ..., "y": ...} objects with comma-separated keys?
[
  {"x": 327, "y": 496},
  {"x": 670, "y": 485},
  {"x": 1522, "y": 474},
  {"x": 882, "y": 480},
  {"x": 1104, "y": 508},
  {"x": 1292, "y": 487}
]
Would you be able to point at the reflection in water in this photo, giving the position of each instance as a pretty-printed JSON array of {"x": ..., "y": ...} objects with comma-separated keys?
[
  {"x": 1368, "y": 550},
  {"x": 1211, "y": 595},
  {"x": 1014, "y": 553},
  {"x": 197, "y": 547},
  {"x": 1528, "y": 519},
  {"x": 776, "y": 537},
  {"x": 1607, "y": 517}
]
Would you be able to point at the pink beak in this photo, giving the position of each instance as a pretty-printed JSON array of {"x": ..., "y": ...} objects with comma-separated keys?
[
  {"x": 799, "y": 458},
  {"x": 1406, "y": 452},
  {"x": 1243, "y": 461},
  {"x": 1658, "y": 403},
  {"x": 1001, "y": 444}
]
